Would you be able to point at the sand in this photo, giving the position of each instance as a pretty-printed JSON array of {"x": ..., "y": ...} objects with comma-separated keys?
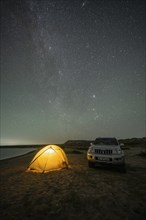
[{"x": 76, "y": 193}]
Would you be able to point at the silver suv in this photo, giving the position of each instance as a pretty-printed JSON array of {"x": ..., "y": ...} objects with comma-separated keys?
[{"x": 106, "y": 151}]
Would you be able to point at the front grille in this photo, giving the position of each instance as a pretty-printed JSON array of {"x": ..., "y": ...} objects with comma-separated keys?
[{"x": 106, "y": 152}]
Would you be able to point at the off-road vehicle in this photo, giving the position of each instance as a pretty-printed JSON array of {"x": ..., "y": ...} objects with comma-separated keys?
[{"x": 106, "y": 151}]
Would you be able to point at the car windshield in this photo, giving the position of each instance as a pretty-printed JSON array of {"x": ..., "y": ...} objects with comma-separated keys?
[{"x": 105, "y": 141}]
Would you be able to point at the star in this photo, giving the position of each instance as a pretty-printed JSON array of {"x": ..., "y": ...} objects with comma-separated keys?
[{"x": 83, "y": 4}]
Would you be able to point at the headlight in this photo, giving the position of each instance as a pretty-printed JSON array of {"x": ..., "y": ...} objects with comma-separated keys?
[
  {"x": 117, "y": 151},
  {"x": 90, "y": 150}
]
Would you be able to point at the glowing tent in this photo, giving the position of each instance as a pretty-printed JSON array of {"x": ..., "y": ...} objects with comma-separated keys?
[{"x": 48, "y": 159}]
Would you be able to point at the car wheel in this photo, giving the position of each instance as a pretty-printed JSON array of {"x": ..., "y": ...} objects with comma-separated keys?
[
  {"x": 123, "y": 168},
  {"x": 90, "y": 164}
]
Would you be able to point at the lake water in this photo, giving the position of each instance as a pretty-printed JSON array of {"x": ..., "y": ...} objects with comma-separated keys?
[{"x": 6, "y": 153}]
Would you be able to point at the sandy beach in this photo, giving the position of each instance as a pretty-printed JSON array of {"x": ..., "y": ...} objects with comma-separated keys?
[{"x": 76, "y": 193}]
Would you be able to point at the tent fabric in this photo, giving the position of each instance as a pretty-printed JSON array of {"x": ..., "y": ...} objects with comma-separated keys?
[{"x": 49, "y": 158}]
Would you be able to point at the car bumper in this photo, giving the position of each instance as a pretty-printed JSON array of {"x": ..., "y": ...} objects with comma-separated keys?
[{"x": 104, "y": 159}]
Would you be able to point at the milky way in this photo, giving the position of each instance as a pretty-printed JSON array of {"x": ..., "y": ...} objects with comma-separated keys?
[{"x": 72, "y": 70}]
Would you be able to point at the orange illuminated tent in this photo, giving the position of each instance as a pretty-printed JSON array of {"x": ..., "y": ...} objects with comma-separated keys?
[{"x": 49, "y": 158}]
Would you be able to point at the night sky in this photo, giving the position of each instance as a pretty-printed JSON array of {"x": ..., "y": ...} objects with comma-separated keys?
[{"x": 72, "y": 69}]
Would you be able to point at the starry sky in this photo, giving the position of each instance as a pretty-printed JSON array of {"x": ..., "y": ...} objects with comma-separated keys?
[{"x": 72, "y": 69}]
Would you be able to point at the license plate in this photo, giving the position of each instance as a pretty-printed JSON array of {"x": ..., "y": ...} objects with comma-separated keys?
[{"x": 103, "y": 158}]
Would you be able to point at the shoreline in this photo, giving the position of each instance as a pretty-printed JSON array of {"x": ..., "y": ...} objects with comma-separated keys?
[
  {"x": 17, "y": 161},
  {"x": 18, "y": 156}
]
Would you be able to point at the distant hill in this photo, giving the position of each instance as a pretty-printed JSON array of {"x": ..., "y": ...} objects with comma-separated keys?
[
  {"x": 86, "y": 143},
  {"x": 134, "y": 141},
  {"x": 77, "y": 143}
]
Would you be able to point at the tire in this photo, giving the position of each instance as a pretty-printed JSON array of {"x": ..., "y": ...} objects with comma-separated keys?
[
  {"x": 123, "y": 168},
  {"x": 90, "y": 164}
]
